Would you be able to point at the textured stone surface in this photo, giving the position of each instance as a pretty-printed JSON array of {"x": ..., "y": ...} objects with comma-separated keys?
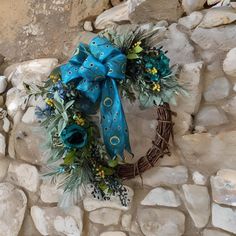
[
  {"x": 198, "y": 178},
  {"x": 113, "y": 233},
  {"x": 91, "y": 203},
  {"x": 192, "y": 20},
  {"x": 105, "y": 216},
  {"x": 142, "y": 11},
  {"x": 211, "y": 116},
  {"x": 218, "y": 89},
  {"x": 224, "y": 218},
  {"x": 229, "y": 106},
  {"x": 29, "y": 117},
  {"x": 165, "y": 175},
  {"x": 223, "y": 187},
  {"x": 13, "y": 204},
  {"x": 159, "y": 222},
  {"x": 229, "y": 65},
  {"x": 53, "y": 221},
  {"x": 162, "y": 197},
  {"x": 213, "y": 232},
  {"x": 3, "y": 84},
  {"x": 218, "y": 16},
  {"x": 2, "y": 144},
  {"x": 24, "y": 175},
  {"x": 192, "y": 5},
  {"x": 197, "y": 201}
]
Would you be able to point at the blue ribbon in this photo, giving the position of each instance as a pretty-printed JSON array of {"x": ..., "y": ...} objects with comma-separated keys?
[{"x": 97, "y": 67}]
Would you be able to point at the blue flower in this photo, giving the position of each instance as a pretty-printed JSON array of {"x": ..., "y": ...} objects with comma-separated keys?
[{"x": 74, "y": 136}]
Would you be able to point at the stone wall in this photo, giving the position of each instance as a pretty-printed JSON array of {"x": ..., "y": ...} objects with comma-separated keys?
[{"x": 190, "y": 193}]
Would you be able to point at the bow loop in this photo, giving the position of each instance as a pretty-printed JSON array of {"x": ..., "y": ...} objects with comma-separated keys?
[{"x": 97, "y": 67}]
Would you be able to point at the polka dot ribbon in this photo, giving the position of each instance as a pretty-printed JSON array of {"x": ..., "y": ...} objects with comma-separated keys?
[{"x": 96, "y": 68}]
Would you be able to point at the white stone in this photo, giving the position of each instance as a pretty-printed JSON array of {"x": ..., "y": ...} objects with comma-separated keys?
[
  {"x": 223, "y": 38},
  {"x": 3, "y": 84},
  {"x": 224, "y": 218},
  {"x": 192, "y": 5},
  {"x": 218, "y": 16},
  {"x": 90, "y": 203},
  {"x": 233, "y": 4},
  {"x": 34, "y": 71},
  {"x": 175, "y": 42},
  {"x": 113, "y": 233},
  {"x": 213, "y": 232},
  {"x": 88, "y": 26},
  {"x": 211, "y": 116},
  {"x": 164, "y": 175},
  {"x": 191, "y": 21},
  {"x": 2, "y": 144},
  {"x": 229, "y": 65},
  {"x": 198, "y": 178},
  {"x": 53, "y": 221},
  {"x": 15, "y": 101},
  {"x": 105, "y": 216},
  {"x": 126, "y": 221},
  {"x": 6, "y": 125},
  {"x": 162, "y": 197},
  {"x": 160, "y": 222},
  {"x": 204, "y": 150},
  {"x": 24, "y": 175},
  {"x": 50, "y": 192},
  {"x": 191, "y": 74},
  {"x": 223, "y": 187},
  {"x": 183, "y": 121},
  {"x": 13, "y": 204},
  {"x": 218, "y": 89},
  {"x": 29, "y": 117},
  {"x": 115, "y": 14},
  {"x": 197, "y": 202},
  {"x": 229, "y": 106}
]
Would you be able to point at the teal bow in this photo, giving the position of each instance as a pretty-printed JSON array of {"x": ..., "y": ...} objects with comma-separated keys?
[{"x": 97, "y": 67}]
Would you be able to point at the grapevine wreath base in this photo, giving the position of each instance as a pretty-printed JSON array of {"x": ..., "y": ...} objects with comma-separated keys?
[{"x": 86, "y": 155}]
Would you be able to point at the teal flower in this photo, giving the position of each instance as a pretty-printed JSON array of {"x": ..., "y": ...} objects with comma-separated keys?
[{"x": 74, "y": 136}]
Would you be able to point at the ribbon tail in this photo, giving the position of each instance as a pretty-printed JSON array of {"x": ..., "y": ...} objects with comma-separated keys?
[{"x": 114, "y": 126}]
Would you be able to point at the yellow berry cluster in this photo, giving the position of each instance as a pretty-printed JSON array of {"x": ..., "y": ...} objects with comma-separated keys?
[
  {"x": 50, "y": 102},
  {"x": 156, "y": 87},
  {"x": 152, "y": 71},
  {"x": 79, "y": 120},
  {"x": 137, "y": 44},
  {"x": 100, "y": 172},
  {"x": 54, "y": 78}
]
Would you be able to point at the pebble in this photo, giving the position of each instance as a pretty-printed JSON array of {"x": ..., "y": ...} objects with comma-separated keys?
[{"x": 3, "y": 84}]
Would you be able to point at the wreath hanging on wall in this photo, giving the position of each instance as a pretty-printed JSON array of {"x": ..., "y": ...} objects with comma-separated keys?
[{"x": 94, "y": 79}]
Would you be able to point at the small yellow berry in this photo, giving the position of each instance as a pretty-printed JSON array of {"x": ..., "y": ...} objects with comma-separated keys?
[
  {"x": 156, "y": 87},
  {"x": 49, "y": 102}
]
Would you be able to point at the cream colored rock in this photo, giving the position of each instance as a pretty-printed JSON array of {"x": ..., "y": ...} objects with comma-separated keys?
[
  {"x": 229, "y": 106},
  {"x": 24, "y": 175},
  {"x": 53, "y": 221},
  {"x": 233, "y": 4},
  {"x": 191, "y": 21},
  {"x": 50, "y": 192},
  {"x": 34, "y": 71},
  {"x": 29, "y": 117},
  {"x": 113, "y": 15},
  {"x": 143, "y": 11},
  {"x": 223, "y": 38},
  {"x": 223, "y": 187},
  {"x": 159, "y": 222},
  {"x": 192, "y": 5},
  {"x": 113, "y": 233},
  {"x": 204, "y": 150},
  {"x": 224, "y": 218},
  {"x": 229, "y": 63},
  {"x": 197, "y": 202},
  {"x": 13, "y": 204},
  {"x": 218, "y": 16},
  {"x": 126, "y": 221},
  {"x": 164, "y": 175},
  {"x": 105, "y": 216},
  {"x": 191, "y": 74},
  {"x": 214, "y": 232},
  {"x": 6, "y": 125},
  {"x": 198, "y": 178},
  {"x": 2, "y": 144},
  {"x": 183, "y": 122},
  {"x": 4, "y": 164},
  {"x": 210, "y": 116},
  {"x": 88, "y": 26},
  {"x": 162, "y": 197},
  {"x": 218, "y": 89},
  {"x": 91, "y": 204},
  {"x": 3, "y": 84}
]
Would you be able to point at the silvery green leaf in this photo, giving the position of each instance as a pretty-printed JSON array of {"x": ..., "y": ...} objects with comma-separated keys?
[{"x": 69, "y": 104}]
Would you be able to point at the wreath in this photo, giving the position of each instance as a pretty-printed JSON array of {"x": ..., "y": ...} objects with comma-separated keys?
[{"x": 94, "y": 79}]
